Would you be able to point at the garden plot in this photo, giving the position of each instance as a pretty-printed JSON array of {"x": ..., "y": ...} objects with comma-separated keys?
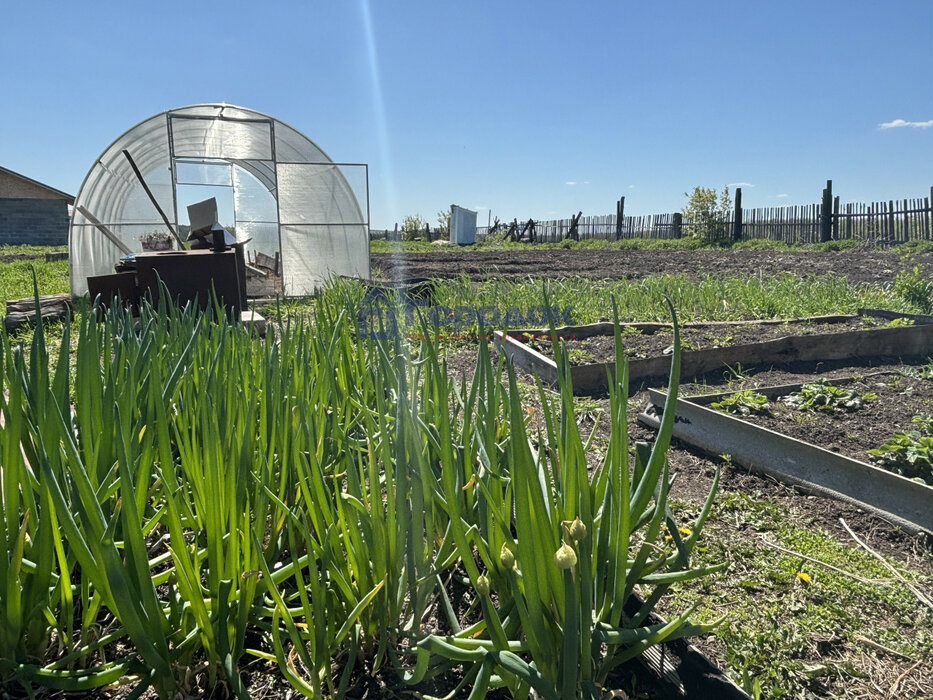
[
  {"x": 862, "y": 439},
  {"x": 710, "y": 346}
]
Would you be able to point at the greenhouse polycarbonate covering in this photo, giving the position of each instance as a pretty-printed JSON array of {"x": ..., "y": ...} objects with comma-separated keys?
[{"x": 274, "y": 186}]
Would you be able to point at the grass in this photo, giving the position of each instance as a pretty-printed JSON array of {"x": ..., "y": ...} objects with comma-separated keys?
[
  {"x": 796, "y": 626},
  {"x": 708, "y": 299},
  {"x": 24, "y": 249},
  {"x": 16, "y": 278}
]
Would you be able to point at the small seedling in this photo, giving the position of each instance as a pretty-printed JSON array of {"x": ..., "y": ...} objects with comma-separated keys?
[
  {"x": 580, "y": 356},
  {"x": 823, "y": 395},
  {"x": 899, "y": 322},
  {"x": 921, "y": 372},
  {"x": 719, "y": 341},
  {"x": 744, "y": 403}
]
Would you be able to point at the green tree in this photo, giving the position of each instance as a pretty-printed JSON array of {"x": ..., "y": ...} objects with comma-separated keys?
[
  {"x": 443, "y": 223},
  {"x": 412, "y": 227},
  {"x": 706, "y": 214}
]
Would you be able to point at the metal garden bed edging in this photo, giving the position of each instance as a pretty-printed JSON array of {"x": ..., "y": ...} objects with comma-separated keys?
[
  {"x": 902, "y": 341},
  {"x": 897, "y": 499}
]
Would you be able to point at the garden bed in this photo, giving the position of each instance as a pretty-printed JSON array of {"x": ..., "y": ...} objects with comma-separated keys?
[
  {"x": 646, "y": 340},
  {"x": 899, "y": 398},
  {"x": 774, "y": 444},
  {"x": 710, "y": 346}
]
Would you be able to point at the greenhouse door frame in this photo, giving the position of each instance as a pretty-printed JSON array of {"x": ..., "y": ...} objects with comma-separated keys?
[{"x": 174, "y": 159}]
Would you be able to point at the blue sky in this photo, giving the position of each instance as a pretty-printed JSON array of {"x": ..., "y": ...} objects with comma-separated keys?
[{"x": 523, "y": 108}]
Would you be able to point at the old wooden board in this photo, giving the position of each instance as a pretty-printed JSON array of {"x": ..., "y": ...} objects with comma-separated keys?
[
  {"x": 21, "y": 312},
  {"x": 902, "y": 341}
]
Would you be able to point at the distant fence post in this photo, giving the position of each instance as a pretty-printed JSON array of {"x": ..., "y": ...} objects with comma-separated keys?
[
  {"x": 572, "y": 232},
  {"x": 677, "y": 224},
  {"x": 737, "y": 218},
  {"x": 891, "y": 232},
  {"x": 620, "y": 215},
  {"x": 928, "y": 215},
  {"x": 826, "y": 216},
  {"x": 836, "y": 217}
]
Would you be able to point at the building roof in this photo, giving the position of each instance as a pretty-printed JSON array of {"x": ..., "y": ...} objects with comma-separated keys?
[{"x": 58, "y": 193}]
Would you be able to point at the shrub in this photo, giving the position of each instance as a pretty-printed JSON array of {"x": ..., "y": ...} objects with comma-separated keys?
[
  {"x": 413, "y": 227},
  {"x": 706, "y": 215}
]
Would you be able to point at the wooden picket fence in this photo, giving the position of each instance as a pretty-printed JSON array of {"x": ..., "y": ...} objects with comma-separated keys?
[{"x": 894, "y": 221}]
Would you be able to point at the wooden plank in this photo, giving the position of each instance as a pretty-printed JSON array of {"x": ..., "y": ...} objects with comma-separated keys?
[
  {"x": 891, "y": 315},
  {"x": 590, "y": 330},
  {"x": 110, "y": 235},
  {"x": 906, "y": 341},
  {"x": 835, "y": 223},
  {"x": 22, "y": 312},
  {"x": 926, "y": 219},
  {"x": 892, "y": 234},
  {"x": 526, "y": 358},
  {"x": 29, "y": 304}
]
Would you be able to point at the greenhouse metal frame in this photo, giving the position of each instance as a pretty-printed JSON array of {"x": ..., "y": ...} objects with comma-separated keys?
[{"x": 287, "y": 195}]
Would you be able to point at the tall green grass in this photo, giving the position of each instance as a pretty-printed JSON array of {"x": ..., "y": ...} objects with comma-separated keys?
[
  {"x": 709, "y": 298},
  {"x": 181, "y": 497},
  {"x": 16, "y": 278}
]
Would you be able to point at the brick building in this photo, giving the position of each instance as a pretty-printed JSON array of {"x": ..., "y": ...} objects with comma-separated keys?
[{"x": 31, "y": 212}]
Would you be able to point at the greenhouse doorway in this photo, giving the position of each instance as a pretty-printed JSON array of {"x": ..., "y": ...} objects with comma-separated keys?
[
  {"x": 196, "y": 181},
  {"x": 246, "y": 206}
]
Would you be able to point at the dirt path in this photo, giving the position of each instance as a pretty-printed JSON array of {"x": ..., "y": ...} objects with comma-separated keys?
[{"x": 870, "y": 266}]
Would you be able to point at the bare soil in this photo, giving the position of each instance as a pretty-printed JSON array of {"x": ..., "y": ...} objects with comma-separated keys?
[
  {"x": 857, "y": 266},
  {"x": 21, "y": 256}
]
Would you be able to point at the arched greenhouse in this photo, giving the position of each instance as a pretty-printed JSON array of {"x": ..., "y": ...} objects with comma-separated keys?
[{"x": 273, "y": 186}]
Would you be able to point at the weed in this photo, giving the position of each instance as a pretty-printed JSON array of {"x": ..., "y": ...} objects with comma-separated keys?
[
  {"x": 773, "y": 642},
  {"x": 580, "y": 356},
  {"x": 915, "y": 289},
  {"x": 734, "y": 375},
  {"x": 719, "y": 341}
]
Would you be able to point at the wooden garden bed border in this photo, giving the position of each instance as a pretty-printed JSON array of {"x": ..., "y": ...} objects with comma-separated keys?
[{"x": 903, "y": 341}]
